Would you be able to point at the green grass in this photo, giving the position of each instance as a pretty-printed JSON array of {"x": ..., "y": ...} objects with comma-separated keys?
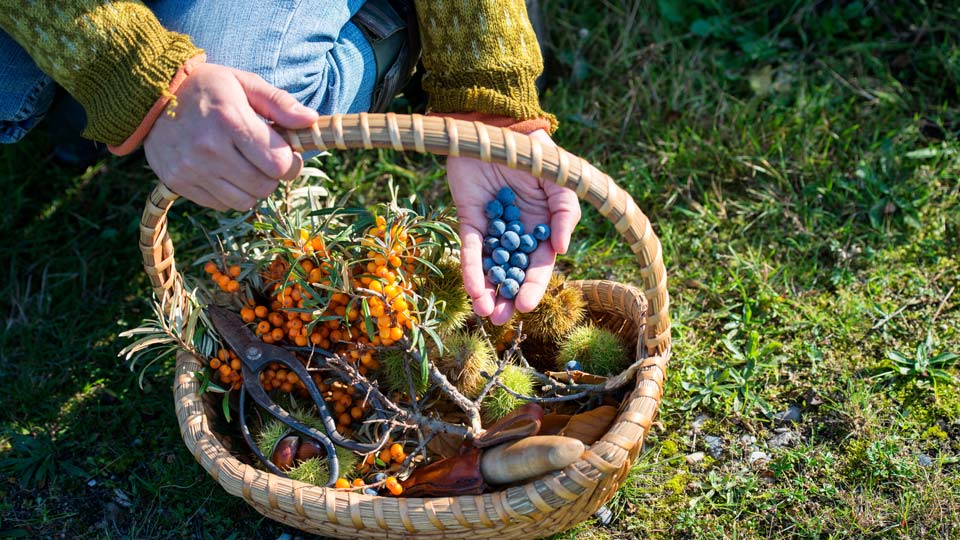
[{"x": 800, "y": 164}]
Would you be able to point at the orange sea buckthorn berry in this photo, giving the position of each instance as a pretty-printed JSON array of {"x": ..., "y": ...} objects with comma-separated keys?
[
  {"x": 396, "y": 449},
  {"x": 247, "y": 314},
  {"x": 260, "y": 311},
  {"x": 234, "y": 270},
  {"x": 342, "y": 483},
  {"x": 263, "y": 327},
  {"x": 215, "y": 363},
  {"x": 358, "y": 482},
  {"x": 233, "y": 286},
  {"x": 385, "y": 456},
  {"x": 277, "y": 334},
  {"x": 210, "y": 267},
  {"x": 396, "y": 333}
]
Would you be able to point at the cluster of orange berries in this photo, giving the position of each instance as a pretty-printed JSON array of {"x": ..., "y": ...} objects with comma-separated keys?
[
  {"x": 227, "y": 281},
  {"x": 275, "y": 377},
  {"x": 391, "y": 483},
  {"x": 392, "y": 457},
  {"x": 346, "y": 407},
  {"x": 227, "y": 365}
]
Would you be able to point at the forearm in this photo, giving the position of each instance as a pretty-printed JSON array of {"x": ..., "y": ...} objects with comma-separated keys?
[
  {"x": 481, "y": 56},
  {"x": 114, "y": 57}
]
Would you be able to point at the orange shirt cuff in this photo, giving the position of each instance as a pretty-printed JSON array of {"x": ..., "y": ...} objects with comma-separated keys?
[
  {"x": 136, "y": 138},
  {"x": 520, "y": 126}
]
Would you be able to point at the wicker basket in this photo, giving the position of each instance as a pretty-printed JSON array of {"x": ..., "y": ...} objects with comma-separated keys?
[{"x": 538, "y": 508}]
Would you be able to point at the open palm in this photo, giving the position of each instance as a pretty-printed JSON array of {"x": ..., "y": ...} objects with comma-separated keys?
[{"x": 473, "y": 184}]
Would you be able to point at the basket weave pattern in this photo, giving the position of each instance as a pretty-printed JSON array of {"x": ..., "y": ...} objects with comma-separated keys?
[{"x": 535, "y": 509}]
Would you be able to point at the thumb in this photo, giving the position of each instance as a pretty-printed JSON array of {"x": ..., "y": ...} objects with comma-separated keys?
[{"x": 273, "y": 103}]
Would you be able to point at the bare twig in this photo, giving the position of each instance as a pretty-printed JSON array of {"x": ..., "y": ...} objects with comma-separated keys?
[{"x": 942, "y": 303}]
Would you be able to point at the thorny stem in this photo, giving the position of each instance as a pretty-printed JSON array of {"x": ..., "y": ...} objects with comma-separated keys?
[{"x": 383, "y": 404}]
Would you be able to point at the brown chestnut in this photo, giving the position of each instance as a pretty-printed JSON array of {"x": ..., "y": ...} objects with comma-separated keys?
[
  {"x": 285, "y": 451},
  {"x": 309, "y": 449}
]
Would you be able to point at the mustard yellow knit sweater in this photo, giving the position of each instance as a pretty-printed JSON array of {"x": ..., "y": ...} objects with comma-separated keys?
[{"x": 116, "y": 59}]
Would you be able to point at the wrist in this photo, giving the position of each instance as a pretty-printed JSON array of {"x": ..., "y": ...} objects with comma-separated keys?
[
  {"x": 520, "y": 126},
  {"x": 140, "y": 133}
]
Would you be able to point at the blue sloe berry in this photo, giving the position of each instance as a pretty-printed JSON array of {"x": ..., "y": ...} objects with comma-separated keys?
[
  {"x": 511, "y": 213},
  {"x": 379, "y": 477},
  {"x": 515, "y": 226},
  {"x": 510, "y": 241},
  {"x": 496, "y": 275},
  {"x": 573, "y": 365},
  {"x": 490, "y": 244},
  {"x": 541, "y": 232},
  {"x": 371, "y": 491},
  {"x": 509, "y": 288},
  {"x": 496, "y": 228},
  {"x": 528, "y": 244},
  {"x": 520, "y": 260},
  {"x": 493, "y": 210},
  {"x": 487, "y": 264},
  {"x": 517, "y": 274},
  {"x": 506, "y": 196},
  {"x": 500, "y": 256}
]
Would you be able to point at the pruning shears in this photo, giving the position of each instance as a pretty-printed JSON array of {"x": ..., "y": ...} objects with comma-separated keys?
[{"x": 255, "y": 355}]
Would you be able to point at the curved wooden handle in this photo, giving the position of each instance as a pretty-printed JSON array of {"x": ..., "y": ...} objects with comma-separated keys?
[{"x": 447, "y": 136}]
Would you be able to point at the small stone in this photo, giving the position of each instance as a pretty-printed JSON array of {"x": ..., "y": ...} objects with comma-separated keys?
[
  {"x": 506, "y": 196},
  {"x": 519, "y": 260},
  {"x": 699, "y": 421},
  {"x": 696, "y": 457},
  {"x": 516, "y": 226},
  {"x": 496, "y": 228},
  {"x": 714, "y": 445},
  {"x": 758, "y": 456},
  {"x": 528, "y": 244},
  {"x": 789, "y": 416},
  {"x": 541, "y": 232},
  {"x": 924, "y": 460},
  {"x": 496, "y": 275},
  {"x": 509, "y": 289},
  {"x": 510, "y": 241},
  {"x": 493, "y": 210},
  {"x": 515, "y": 273},
  {"x": 500, "y": 256},
  {"x": 511, "y": 213},
  {"x": 784, "y": 440}
]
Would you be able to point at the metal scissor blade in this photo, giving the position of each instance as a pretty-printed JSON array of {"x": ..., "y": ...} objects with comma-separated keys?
[{"x": 234, "y": 332}]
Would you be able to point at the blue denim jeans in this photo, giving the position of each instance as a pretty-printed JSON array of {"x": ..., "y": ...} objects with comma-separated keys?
[{"x": 309, "y": 48}]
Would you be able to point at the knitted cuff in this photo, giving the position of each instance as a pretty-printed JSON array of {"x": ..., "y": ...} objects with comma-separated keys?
[
  {"x": 520, "y": 126},
  {"x": 117, "y": 103},
  {"x": 136, "y": 138}
]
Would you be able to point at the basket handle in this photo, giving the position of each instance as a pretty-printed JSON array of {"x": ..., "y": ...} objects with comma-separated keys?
[{"x": 447, "y": 136}]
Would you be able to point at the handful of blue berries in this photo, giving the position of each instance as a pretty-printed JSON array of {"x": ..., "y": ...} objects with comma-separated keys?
[{"x": 507, "y": 246}]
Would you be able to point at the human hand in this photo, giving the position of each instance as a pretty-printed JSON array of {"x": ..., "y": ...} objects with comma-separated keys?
[
  {"x": 473, "y": 183},
  {"x": 216, "y": 151}
]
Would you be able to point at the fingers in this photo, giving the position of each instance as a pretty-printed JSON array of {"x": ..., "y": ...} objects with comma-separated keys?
[
  {"x": 536, "y": 280},
  {"x": 262, "y": 146},
  {"x": 564, "y": 215},
  {"x": 273, "y": 103}
]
